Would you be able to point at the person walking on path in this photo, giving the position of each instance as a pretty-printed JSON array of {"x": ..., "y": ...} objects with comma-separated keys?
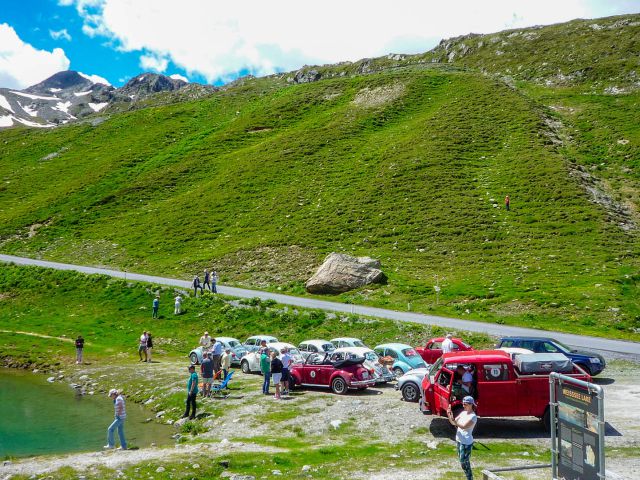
[
  {"x": 276, "y": 373},
  {"x": 206, "y": 283},
  {"x": 79, "y": 349},
  {"x": 177, "y": 305},
  {"x": 507, "y": 203},
  {"x": 192, "y": 393},
  {"x": 464, "y": 422},
  {"x": 156, "y": 305},
  {"x": 149, "y": 346},
  {"x": 216, "y": 356},
  {"x": 226, "y": 363},
  {"x": 197, "y": 285},
  {"x": 214, "y": 282},
  {"x": 142, "y": 346},
  {"x": 447, "y": 344},
  {"x": 265, "y": 369},
  {"x": 206, "y": 369},
  {"x": 118, "y": 422},
  {"x": 286, "y": 362}
]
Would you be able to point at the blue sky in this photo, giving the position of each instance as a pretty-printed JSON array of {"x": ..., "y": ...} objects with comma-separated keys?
[{"x": 213, "y": 41}]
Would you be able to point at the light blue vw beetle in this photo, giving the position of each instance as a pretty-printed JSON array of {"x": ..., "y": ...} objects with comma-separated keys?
[
  {"x": 237, "y": 351},
  {"x": 405, "y": 357}
]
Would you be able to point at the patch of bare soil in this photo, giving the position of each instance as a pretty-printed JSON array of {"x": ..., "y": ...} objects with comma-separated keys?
[{"x": 375, "y": 97}]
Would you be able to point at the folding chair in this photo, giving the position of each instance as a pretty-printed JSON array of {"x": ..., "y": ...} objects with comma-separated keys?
[{"x": 220, "y": 387}]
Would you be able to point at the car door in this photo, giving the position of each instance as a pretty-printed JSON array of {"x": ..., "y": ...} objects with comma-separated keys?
[
  {"x": 443, "y": 382},
  {"x": 433, "y": 351},
  {"x": 497, "y": 390},
  {"x": 312, "y": 370},
  {"x": 250, "y": 344}
]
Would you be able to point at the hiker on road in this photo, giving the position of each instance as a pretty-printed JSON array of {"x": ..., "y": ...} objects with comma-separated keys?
[
  {"x": 79, "y": 349},
  {"x": 156, "y": 305},
  {"x": 464, "y": 422},
  {"x": 192, "y": 393},
  {"x": 206, "y": 283},
  {"x": 118, "y": 422},
  {"x": 197, "y": 285}
]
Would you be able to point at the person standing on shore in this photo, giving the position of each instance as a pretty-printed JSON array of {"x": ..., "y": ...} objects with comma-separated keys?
[
  {"x": 156, "y": 305},
  {"x": 142, "y": 346},
  {"x": 79, "y": 349},
  {"x": 465, "y": 423},
  {"x": 177, "y": 305},
  {"x": 214, "y": 282},
  {"x": 192, "y": 393},
  {"x": 118, "y": 422}
]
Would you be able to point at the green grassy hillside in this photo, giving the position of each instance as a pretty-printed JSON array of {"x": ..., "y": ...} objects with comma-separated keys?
[{"x": 409, "y": 164}]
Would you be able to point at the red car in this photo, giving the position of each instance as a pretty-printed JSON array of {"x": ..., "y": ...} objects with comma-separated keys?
[
  {"x": 432, "y": 351},
  {"x": 340, "y": 376}
]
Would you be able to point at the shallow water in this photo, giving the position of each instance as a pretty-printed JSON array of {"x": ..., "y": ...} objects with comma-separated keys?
[{"x": 37, "y": 417}]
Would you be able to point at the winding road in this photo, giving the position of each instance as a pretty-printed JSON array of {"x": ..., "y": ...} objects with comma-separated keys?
[{"x": 618, "y": 348}]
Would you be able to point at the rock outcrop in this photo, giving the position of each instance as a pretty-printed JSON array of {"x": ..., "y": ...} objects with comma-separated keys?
[{"x": 340, "y": 273}]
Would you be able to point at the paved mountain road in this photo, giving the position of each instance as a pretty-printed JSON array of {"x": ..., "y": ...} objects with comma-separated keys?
[{"x": 612, "y": 348}]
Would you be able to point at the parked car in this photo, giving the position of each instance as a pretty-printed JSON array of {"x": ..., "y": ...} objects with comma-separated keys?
[
  {"x": 404, "y": 357},
  {"x": 500, "y": 386},
  {"x": 315, "y": 346},
  {"x": 237, "y": 351},
  {"x": 342, "y": 342},
  {"x": 340, "y": 376},
  {"x": 592, "y": 363},
  {"x": 251, "y": 361},
  {"x": 371, "y": 361},
  {"x": 253, "y": 343},
  {"x": 409, "y": 384},
  {"x": 432, "y": 351}
]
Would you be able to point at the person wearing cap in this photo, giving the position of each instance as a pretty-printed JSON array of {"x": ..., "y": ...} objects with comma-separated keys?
[
  {"x": 447, "y": 344},
  {"x": 465, "y": 423},
  {"x": 205, "y": 341},
  {"x": 192, "y": 393},
  {"x": 118, "y": 422}
]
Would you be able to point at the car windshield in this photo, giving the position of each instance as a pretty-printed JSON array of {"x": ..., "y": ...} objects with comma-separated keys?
[
  {"x": 328, "y": 347},
  {"x": 358, "y": 343},
  {"x": 561, "y": 346},
  {"x": 234, "y": 343},
  {"x": 293, "y": 351},
  {"x": 409, "y": 352},
  {"x": 371, "y": 356},
  {"x": 435, "y": 367}
]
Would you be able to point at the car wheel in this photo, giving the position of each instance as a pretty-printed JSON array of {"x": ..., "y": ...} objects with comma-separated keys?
[
  {"x": 194, "y": 358},
  {"x": 398, "y": 372},
  {"x": 339, "y": 386},
  {"x": 244, "y": 366},
  {"x": 410, "y": 392},
  {"x": 585, "y": 368}
]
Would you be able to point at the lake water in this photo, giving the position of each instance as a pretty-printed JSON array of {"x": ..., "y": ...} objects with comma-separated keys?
[{"x": 38, "y": 417}]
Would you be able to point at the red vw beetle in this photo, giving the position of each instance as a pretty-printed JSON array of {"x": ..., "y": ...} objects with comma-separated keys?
[
  {"x": 432, "y": 351},
  {"x": 321, "y": 370}
]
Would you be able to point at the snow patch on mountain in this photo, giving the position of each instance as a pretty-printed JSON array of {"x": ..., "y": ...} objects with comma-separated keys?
[
  {"x": 4, "y": 103},
  {"x": 32, "y": 112},
  {"x": 96, "y": 107},
  {"x": 6, "y": 121},
  {"x": 95, "y": 78},
  {"x": 34, "y": 97},
  {"x": 63, "y": 107},
  {"x": 80, "y": 94}
]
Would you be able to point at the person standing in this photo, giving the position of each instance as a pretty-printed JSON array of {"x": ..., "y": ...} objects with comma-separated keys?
[
  {"x": 205, "y": 342},
  {"x": 142, "y": 346},
  {"x": 206, "y": 368},
  {"x": 276, "y": 373},
  {"x": 465, "y": 423},
  {"x": 286, "y": 362},
  {"x": 177, "y": 305},
  {"x": 197, "y": 285},
  {"x": 226, "y": 363},
  {"x": 192, "y": 393},
  {"x": 214, "y": 282},
  {"x": 265, "y": 369},
  {"x": 118, "y": 422},
  {"x": 79, "y": 349},
  {"x": 206, "y": 279},
  {"x": 216, "y": 356},
  {"x": 149, "y": 346},
  {"x": 447, "y": 344},
  {"x": 507, "y": 203},
  {"x": 156, "y": 305}
]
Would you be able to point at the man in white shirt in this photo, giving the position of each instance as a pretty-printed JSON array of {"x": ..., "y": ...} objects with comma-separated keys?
[
  {"x": 178, "y": 305},
  {"x": 118, "y": 422},
  {"x": 465, "y": 423},
  {"x": 205, "y": 341},
  {"x": 142, "y": 346},
  {"x": 447, "y": 344}
]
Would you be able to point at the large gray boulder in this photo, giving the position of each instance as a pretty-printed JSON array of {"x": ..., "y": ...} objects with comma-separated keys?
[{"x": 340, "y": 273}]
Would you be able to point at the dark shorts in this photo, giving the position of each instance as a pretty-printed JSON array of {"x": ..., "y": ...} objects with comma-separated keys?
[{"x": 285, "y": 374}]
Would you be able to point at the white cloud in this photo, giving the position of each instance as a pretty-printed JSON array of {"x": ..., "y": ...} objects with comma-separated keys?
[
  {"x": 177, "y": 76},
  {"x": 22, "y": 65},
  {"x": 219, "y": 39},
  {"x": 156, "y": 63},
  {"x": 95, "y": 78},
  {"x": 60, "y": 34}
]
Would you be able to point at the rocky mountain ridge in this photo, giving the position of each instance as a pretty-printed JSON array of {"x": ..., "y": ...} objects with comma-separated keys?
[{"x": 68, "y": 96}]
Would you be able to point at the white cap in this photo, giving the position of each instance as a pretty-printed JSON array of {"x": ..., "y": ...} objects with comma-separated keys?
[{"x": 113, "y": 391}]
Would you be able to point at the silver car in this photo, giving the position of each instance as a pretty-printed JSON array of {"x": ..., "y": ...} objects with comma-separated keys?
[{"x": 410, "y": 384}]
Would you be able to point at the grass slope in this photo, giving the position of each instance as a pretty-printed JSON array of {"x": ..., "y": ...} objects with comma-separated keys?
[{"x": 409, "y": 165}]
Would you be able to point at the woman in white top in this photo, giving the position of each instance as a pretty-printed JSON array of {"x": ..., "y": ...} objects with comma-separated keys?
[{"x": 465, "y": 422}]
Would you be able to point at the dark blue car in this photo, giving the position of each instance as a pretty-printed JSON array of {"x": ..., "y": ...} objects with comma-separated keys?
[{"x": 592, "y": 363}]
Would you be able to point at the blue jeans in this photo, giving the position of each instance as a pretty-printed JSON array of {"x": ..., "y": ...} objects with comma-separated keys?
[
  {"x": 464, "y": 454},
  {"x": 267, "y": 381},
  {"x": 119, "y": 424}
]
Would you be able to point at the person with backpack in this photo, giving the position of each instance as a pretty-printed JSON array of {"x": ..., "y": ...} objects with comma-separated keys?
[{"x": 79, "y": 349}]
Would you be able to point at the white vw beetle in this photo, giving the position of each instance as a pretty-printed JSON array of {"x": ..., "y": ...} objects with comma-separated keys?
[
  {"x": 315, "y": 346},
  {"x": 381, "y": 373},
  {"x": 251, "y": 361}
]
